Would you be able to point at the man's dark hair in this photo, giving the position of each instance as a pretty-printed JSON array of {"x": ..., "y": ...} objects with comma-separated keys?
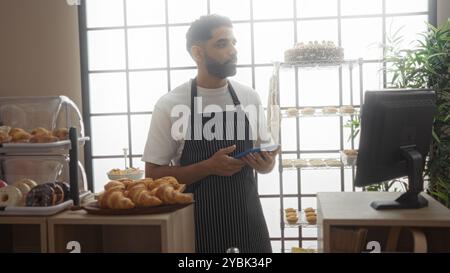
[{"x": 201, "y": 29}]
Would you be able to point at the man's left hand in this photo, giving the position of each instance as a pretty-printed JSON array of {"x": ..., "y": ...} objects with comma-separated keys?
[{"x": 262, "y": 162}]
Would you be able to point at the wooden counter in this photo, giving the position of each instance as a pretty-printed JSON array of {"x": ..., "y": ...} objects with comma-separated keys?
[
  {"x": 168, "y": 232},
  {"x": 23, "y": 234},
  {"x": 343, "y": 214}
]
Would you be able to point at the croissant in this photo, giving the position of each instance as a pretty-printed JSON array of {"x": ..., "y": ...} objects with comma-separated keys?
[
  {"x": 40, "y": 132},
  {"x": 115, "y": 200},
  {"x": 61, "y": 133},
  {"x": 167, "y": 180},
  {"x": 43, "y": 139},
  {"x": 126, "y": 182},
  {"x": 114, "y": 185},
  {"x": 142, "y": 198},
  {"x": 19, "y": 135},
  {"x": 5, "y": 138},
  {"x": 170, "y": 196}
]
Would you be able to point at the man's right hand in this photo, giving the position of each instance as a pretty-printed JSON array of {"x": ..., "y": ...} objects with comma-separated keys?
[{"x": 224, "y": 165}]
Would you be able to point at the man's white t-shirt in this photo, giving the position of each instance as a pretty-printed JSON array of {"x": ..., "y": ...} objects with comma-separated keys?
[{"x": 162, "y": 148}]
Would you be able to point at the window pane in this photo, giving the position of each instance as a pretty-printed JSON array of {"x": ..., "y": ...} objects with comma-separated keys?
[
  {"x": 106, "y": 49},
  {"x": 290, "y": 179},
  {"x": 233, "y": 9},
  {"x": 108, "y": 92},
  {"x": 244, "y": 76},
  {"x": 147, "y": 48},
  {"x": 262, "y": 78},
  {"x": 271, "y": 208},
  {"x": 140, "y": 124},
  {"x": 408, "y": 28},
  {"x": 319, "y": 133},
  {"x": 138, "y": 163},
  {"x": 316, "y": 8},
  {"x": 373, "y": 79},
  {"x": 362, "y": 38},
  {"x": 269, "y": 183},
  {"x": 318, "y": 30},
  {"x": 104, "y": 13},
  {"x": 179, "y": 77},
  {"x": 276, "y": 246},
  {"x": 314, "y": 94},
  {"x": 269, "y": 9},
  {"x": 101, "y": 167},
  {"x": 270, "y": 42},
  {"x": 109, "y": 135},
  {"x": 244, "y": 44},
  {"x": 145, "y": 12},
  {"x": 287, "y": 88},
  {"x": 179, "y": 56},
  {"x": 146, "y": 88},
  {"x": 288, "y": 140},
  {"x": 314, "y": 181},
  {"x": 358, "y": 7},
  {"x": 182, "y": 11},
  {"x": 403, "y": 6}
]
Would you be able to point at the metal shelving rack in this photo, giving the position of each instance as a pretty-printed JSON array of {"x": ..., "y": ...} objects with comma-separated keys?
[{"x": 351, "y": 65}]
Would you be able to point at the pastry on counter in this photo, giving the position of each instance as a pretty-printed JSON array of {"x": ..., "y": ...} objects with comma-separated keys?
[
  {"x": 308, "y": 111},
  {"x": 10, "y": 196},
  {"x": 143, "y": 193},
  {"x": 19, "y": 135},
  {"x": 4, "y": 134},
  {"x": 61, "y": 133}
]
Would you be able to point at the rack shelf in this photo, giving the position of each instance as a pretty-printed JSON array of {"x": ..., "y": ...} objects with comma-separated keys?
[{"x": 274, "y": 97}]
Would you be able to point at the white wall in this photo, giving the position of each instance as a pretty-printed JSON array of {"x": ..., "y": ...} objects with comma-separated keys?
[{"x": 39, "y": 49}]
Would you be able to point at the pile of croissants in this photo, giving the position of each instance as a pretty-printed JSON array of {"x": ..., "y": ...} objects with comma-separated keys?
[
  {"x": 38, "y": 135},
  {"x": 128, "y": 194}
]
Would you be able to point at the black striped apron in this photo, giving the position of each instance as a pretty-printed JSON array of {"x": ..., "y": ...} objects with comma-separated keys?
[{"x": 228, "y": 211}]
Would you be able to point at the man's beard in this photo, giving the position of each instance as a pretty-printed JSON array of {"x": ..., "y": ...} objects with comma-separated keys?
[{"x": 221, "y": 70}]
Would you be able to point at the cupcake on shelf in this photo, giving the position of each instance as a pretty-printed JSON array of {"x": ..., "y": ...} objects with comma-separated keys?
[
  {"x": 292, "y": 112},
  {"x": 316, "y": 162},
  {"x": 329, "y": 110},
  {"x": 299, "y": 163},
  {"x": 308, "y": 111},
  {"x": 347, "y": 109},
  {"x": 287, "y": 163},
  {"x": 332, "y": 162}
]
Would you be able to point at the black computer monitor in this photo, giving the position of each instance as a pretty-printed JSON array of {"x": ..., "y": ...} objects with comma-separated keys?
[{"x": 395, "y": 139}]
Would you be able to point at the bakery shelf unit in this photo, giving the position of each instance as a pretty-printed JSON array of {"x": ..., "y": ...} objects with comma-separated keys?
[
  {"x": 302, "y": 161},
  {"x": 43, "y": 162}
]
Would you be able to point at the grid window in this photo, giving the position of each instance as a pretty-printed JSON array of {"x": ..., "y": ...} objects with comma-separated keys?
[{"x": 135, "y": 52}]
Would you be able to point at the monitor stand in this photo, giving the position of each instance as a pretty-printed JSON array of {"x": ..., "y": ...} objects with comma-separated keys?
[{"x": 412, "y": 198}]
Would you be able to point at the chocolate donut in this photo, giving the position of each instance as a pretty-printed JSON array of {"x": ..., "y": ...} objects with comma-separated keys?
[
  {"x": 41, "y": 196},
  {"x": 59, "y": 193},
  {"x": 66, "y": 189}
]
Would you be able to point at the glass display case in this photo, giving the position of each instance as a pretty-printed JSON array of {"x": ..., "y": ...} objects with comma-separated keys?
[{"x": 39, "y": 141}]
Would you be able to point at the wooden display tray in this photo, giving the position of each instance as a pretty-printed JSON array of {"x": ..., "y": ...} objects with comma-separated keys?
[{"x": 93, "y": 208}]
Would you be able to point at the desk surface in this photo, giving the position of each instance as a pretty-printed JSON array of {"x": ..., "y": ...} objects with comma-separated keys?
[{"x": 350, "y": 208}]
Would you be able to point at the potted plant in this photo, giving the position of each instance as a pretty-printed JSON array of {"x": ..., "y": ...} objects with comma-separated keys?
[{"x": 428, "y": 66}]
